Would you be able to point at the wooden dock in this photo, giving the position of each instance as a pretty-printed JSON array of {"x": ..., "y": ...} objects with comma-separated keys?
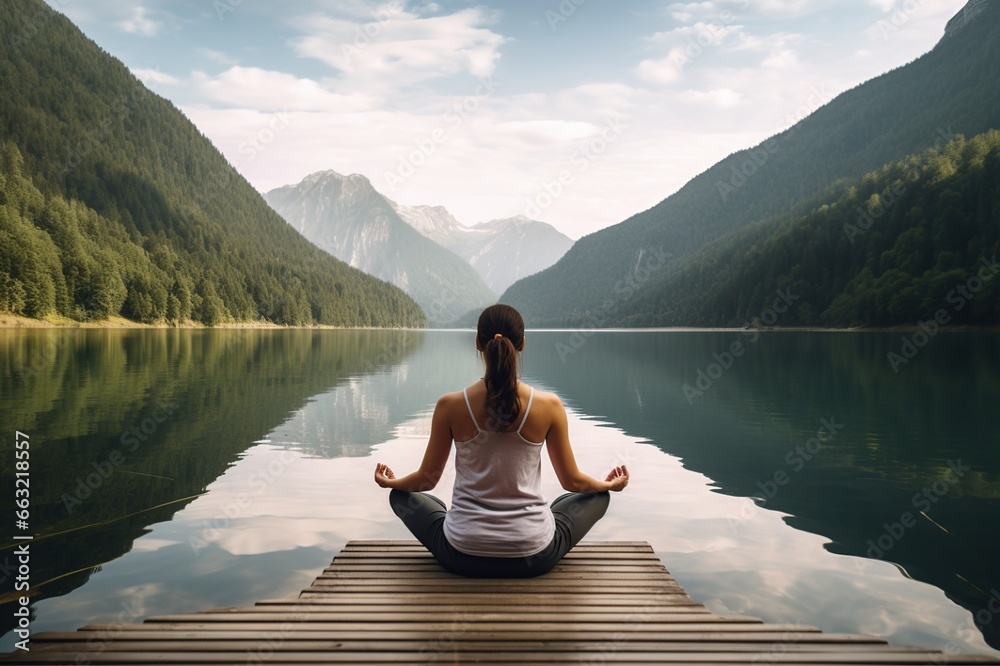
[{"x": 389, "y": 602}]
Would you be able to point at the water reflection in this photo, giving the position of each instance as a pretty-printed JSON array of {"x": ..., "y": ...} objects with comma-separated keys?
[
  {"x": 127, "y": 427},
  {"x": 915, "y": 447},
  {"x": 280, "y": 432}
]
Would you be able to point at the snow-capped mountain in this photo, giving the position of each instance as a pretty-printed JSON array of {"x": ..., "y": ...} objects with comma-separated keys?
[
  {"x": 502, "y": 251},
  {"x": 348, "y": 218}
]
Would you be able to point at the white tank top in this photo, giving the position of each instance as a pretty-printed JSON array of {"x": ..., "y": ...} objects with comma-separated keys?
[{"x": 497, "y": 508}]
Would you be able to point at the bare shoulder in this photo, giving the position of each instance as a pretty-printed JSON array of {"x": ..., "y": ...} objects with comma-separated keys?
[
  {"x": 450, "y": 401},
  {"x": 550, "y": 403}
]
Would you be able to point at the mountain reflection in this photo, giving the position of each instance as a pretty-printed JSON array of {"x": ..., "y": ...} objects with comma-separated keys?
[
  {"x": 128, "y": 427},
  {"x": 894, "y": 459}
]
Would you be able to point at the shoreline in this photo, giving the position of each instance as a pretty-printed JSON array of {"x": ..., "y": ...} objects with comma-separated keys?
[{"x": 13, "y": 322}]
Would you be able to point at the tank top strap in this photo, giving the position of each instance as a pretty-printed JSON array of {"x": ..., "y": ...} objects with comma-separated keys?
[
  {"x": 469, "y": 405},
  {"x": 531, "y": 397}
]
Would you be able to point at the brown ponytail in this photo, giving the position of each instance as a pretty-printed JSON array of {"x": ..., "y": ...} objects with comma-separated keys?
[{"x": 500, "y": 336}]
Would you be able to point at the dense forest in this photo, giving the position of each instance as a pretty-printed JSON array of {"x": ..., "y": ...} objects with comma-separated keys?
[
  {"x": 949, "y": 91},
  {"x": 899, "y": 245},
  {"x": 113, "y": 203}
]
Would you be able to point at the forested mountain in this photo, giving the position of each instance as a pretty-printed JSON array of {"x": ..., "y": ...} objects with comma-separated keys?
[
  {"x": 112, "y": 202},
  {"x": 913, "y": 240},
  {"x": 949, "y": 91},
  {"x": 348, "y": 218},
  {"x": 502, "y": 251}
]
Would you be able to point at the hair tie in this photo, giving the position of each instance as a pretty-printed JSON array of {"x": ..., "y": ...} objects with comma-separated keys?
[{"x": 498, "y": 336}]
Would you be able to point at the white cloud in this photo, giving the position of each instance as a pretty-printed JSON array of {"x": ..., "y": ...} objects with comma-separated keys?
[
  {"x": 722, "y": 98},
  {"x": 547, "y": 131},
  {"x": 686, "y": 11},
  {"x": 663, "y": 70},
  {"x": 217, "y": 56},
  {"x": 702, "y": 33},
  {"x": 382, "y": 102},
  {"x": 400, "y": 48},
  {"x": 783, "y": 59},
  {"x": 154, "y": 78},
  {"x": 261, "y": 89},
  {"x": 882, "y": 5},
  {"x": 140, "y": 24}
]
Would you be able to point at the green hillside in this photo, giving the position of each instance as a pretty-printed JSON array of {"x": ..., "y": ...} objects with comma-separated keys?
[
  {"x": 900, "y": 245},
  {"x": 112, "y": 202},
  {"x": 951, "y": 90}
]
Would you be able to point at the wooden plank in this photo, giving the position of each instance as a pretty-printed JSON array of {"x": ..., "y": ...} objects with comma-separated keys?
[
  {"x": 449, "y": 598},
  {"x": 391, "y": 603},
  {"x": 283, "y": 644},
  {"x": 815, "y": 640},
  {"x": 421, "y": 615},
  {"x": 429, "y": 568},
  {"x": 495, "y": 587},
  {"x": 472, "y": 606},
  {"x": 505, "y": 659},
  {"x": 551, "y": 628},
  {"x": 409, "y": 576},
  {"x": 512, "y": 622},
  {"x": 410, "y": 543}
]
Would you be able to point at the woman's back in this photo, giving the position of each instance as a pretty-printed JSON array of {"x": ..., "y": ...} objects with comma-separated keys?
[
  {"x": 499, "y": 525},
  {"x": 469, "y": 417},
  {"x": 498, "y": 509}
]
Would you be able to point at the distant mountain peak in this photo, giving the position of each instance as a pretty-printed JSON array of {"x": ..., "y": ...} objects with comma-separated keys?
[
  {"x": 327, "y": 175},
  {"x": 515, "y": 221},
  {"x": 965, "y": 16},
  {"x": 347, "y": 217}
]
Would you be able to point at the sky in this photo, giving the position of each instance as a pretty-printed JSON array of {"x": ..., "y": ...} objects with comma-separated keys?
[{"x": 579, "y": 113}]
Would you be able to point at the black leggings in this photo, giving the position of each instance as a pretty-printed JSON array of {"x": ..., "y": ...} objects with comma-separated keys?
[{"x": 423, "y": 515}]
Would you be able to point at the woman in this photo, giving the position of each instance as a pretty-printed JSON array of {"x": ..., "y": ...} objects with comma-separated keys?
[{"x": 499, "y": 525}]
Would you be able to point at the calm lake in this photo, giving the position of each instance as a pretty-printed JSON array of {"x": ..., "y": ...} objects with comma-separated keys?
[{"x": 804, "y": 479}]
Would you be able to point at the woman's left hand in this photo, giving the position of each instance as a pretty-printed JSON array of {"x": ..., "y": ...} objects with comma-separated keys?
[
  {"x": 617, "y": 479},
  {"x": 383, "y": 475}
]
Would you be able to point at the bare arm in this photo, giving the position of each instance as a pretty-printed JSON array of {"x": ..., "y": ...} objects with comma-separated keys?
[
  {"x": 564, "y": 462},
  {"x": 435, "y": 457}
]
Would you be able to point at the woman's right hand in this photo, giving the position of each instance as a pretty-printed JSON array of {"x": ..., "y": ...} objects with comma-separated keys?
[
  {"x": 384, "y": 476},
  {"x": 618, "y": 479}
]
